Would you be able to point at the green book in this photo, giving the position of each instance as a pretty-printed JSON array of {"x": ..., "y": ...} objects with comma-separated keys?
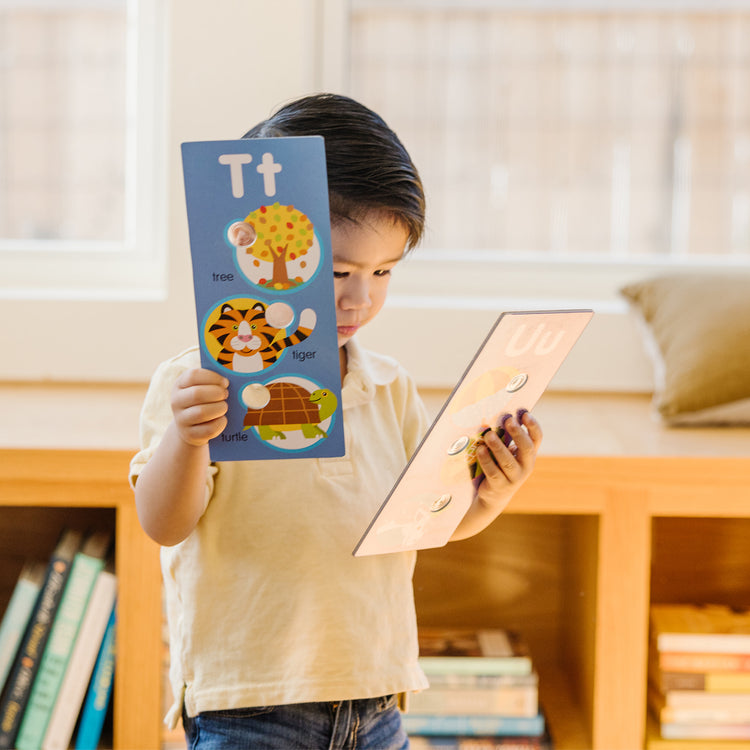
[
  {"x": 87, "y": 564},
  {"x": 470, "y": 651}
]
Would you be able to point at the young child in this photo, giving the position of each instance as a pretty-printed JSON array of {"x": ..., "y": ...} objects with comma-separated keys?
[{"x": 279, "y": 637}]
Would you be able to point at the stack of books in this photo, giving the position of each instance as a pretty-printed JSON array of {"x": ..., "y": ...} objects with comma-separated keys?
[
  {"x": 699, "y": 677},
  {"x": 483, "y": 693},
  {"x": 57, "y": 647}
]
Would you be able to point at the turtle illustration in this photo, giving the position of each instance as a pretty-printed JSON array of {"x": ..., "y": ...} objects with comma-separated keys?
[{"x": 280, "y": 407}]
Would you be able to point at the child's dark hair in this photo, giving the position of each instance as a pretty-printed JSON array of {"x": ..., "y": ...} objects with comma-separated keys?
[{"x": 369, "y": 170}]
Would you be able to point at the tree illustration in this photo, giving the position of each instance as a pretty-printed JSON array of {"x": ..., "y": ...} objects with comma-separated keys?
[{"x": 284, "y": 234}]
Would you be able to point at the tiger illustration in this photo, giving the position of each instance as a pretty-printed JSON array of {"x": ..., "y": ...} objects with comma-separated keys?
[{"x": 249, "y": 343}]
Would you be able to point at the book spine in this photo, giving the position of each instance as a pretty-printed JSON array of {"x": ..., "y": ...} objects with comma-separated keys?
[
  {"x": 81, "y": 665},
  {"x": 99, "y": 692},
  {"x": 704, "y": 662},
  {"x": 666, "y": 681},
  {"x": 711, "y": 643},
  {"x": 31, "y": 650},
  {"x": 709, "y": 682},
  {"x": 473, "y": 725},
  {"x": 476, "y": 665},
  {"x": 55, "y": 658},
  {"x": 417, "y": 742},
  {"x": 693, "y": 730},
  {"x": 16, "y": 618},
  {"x": 484, "y": 681},
  {"x": 508, "y": 701},
  {"x": 728, "y": 682},
  {"x": 709, "y": 715},
  {"x": 504, "y": 743},
  {"x": 655, "y": 740},
  {"x": 703, "y": 699}
]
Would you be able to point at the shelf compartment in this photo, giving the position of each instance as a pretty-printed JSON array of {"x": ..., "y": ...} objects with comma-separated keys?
[
  {"x": 700, "y": 560},
  {"x": 46, "y": 489},
  {"x": 536, "y": 574}
]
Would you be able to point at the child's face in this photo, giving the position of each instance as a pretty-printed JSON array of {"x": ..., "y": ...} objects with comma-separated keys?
[{"x": 363, "y": 256}]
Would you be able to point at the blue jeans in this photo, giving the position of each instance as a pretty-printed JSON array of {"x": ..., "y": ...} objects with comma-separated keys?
[{"x": 367, "y": 724}]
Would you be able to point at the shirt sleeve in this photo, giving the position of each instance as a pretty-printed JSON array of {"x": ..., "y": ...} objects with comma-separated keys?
[{"x": 156, "y": 414}]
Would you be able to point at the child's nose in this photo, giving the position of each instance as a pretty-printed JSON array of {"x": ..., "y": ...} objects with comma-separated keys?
[{"x": 357, "y": 294}]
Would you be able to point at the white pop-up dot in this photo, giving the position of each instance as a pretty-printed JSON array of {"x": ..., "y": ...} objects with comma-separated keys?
[
  {"x": 279, "y": 315},
  {"x": 255, "y": 396}
]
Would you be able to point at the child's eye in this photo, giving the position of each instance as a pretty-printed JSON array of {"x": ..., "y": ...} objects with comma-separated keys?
[
  {"x": 340, "y": 274},
  {"x": 383, "y": 272}
]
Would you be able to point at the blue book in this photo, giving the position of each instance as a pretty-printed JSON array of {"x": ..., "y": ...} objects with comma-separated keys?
[
  {"x": 99, "y": 692},
  {"x": 460, "y": 724},
  {"x": 260, "y": 243}
]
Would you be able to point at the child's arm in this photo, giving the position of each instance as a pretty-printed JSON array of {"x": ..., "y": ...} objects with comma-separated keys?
[
  {"x": 510, "y": 468},
  {"x": 170, "y": 490}
]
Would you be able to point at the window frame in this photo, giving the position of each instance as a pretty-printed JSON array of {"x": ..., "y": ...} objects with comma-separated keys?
[
  {"x": 100, "y": 332},
  {"x": 134, "y": 268}
]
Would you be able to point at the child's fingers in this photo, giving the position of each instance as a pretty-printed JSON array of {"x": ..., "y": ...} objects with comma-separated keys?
[
  {"x": 515, "y": 460},
  {"x": 202, "y": 432},
  {"x": 496, "y": 458},
  {"x": 199, "y": 386},
  {"x": 199, "y": 404},
  {"x": 198, "y": 395},
  {"x": 526, "y": 436},
  {"x": 201, "y": 376},
  {"x": 533, "y": 427},
  {"x": 199, "y": 423},
  {"x": 202, "y": 413}
]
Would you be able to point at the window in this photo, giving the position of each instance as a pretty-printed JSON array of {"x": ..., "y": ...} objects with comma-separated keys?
[
  {"x": 609, "y": 140},
  {"x": 566, "y": 148},
  {"x": 80, "y": 83}
]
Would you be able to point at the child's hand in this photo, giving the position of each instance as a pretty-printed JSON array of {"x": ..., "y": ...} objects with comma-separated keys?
[
  {"x": 505, "y": 469},
  {"x": 199, "y": 403},
  {"x": 241, "y": 234}
]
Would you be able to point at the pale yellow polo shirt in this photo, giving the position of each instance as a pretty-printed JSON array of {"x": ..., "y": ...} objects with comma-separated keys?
[{"x": 266, "y": 604}]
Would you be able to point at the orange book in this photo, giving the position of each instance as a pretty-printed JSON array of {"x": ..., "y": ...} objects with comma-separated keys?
[{"x": 671, "y": 661}]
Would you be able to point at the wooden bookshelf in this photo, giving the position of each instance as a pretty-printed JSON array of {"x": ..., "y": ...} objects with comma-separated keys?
[
  {"x": 620, "y": 512},
  {"x": 44, "y": 490}
]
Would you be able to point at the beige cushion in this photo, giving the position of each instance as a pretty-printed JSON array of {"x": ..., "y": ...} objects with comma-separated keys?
[{"x": 697, "y": 332}]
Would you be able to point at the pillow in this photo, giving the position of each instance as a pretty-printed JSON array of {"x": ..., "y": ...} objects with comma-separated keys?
[{"x": 697, "y": 333}]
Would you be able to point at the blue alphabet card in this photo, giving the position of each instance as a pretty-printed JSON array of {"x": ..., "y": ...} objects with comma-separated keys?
[{"x": 260, "y": 242}]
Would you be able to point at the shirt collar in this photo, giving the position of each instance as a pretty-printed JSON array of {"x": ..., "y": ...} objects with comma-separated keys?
[{"x": 365, "y": 371}]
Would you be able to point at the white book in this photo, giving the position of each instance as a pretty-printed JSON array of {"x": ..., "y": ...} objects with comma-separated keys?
[
  {"x": 81, "y": 664},
  {"x": 708, "y": 628}
]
